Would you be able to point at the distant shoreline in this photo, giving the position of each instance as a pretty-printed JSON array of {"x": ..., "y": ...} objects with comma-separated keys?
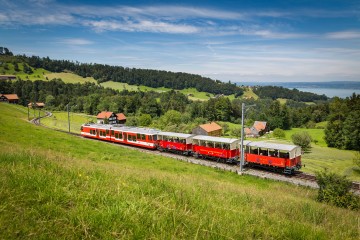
[
  {"x": 330, "y": 85},
  {"x": 330, "y": 89}
]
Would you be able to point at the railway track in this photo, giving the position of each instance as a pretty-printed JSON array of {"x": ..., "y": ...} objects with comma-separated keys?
[{"x": 299, "y": 178}]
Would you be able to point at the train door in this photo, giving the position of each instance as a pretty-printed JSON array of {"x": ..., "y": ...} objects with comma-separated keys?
[{"x": 125, "y": 136}]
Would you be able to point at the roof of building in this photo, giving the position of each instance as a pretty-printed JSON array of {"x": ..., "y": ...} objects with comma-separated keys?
[
  {"x": 37, "y": 104},
  {"x": 210, "y": 127},
  {"x": 11, "y": 96},
  {"x": 104, "y": 114},
  {"x": 258, "y": 125},
  {"x": 216, "y": 139},
  {"x": 121, "y": 116}
]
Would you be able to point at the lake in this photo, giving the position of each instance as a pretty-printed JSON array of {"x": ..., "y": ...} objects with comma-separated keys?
[{"x": 331, "y": 92}]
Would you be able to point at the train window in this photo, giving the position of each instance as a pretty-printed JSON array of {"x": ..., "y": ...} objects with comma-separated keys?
[
  {"x": 210, "y": 144},
  {"x": 112, "y": 132},
  {"x": 129, "y": 137},
  {"x": 116, "y": 135},
  {"x": 218, "y": 145},
  {"x": 138, "y": 136},
  {"x": 226, "y": 146},
  {"x": 120, "y": 135},
  {"x": 154, "y": 137},
  {"x": 142, "y": 136},
  {"x": 150, "y": 137},
  {"x": 107, "y": 132}
]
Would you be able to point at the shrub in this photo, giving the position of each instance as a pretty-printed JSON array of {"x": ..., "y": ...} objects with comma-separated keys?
[
  {"x": 302, "y": 139},
  {"x": 335, "y": 189},
  {"x": 356, "y": 159},
  {"x": 278, "y": 133}
]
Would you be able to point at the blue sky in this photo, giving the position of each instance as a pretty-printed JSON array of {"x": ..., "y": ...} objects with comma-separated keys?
[{"x": 247, "y": 40}]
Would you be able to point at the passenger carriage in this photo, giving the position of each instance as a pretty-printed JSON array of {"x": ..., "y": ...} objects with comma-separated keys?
[
  {"x": 283, "y": 157},
  {"x": 175, "y": 142},
  {"x": 98, "y": 131},
  {"x": 141, "y": 137},
  {"x": 216, "y": 148}
]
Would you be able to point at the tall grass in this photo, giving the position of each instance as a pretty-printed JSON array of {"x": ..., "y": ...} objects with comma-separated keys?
[{"x": 60, "y": 186}]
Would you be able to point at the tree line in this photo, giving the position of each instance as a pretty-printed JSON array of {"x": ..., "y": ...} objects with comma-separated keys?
[
  {"x": 134, "y": 76},
  {"x": 275, "y": 92}
]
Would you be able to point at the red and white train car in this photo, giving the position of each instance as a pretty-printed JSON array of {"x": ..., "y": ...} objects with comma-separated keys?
[
  {"x": 175, "y": 142},
  {"x": 140, "y": 137},
  {"x": 283, "y": 157},
  {"x": 217, "y": 148}
]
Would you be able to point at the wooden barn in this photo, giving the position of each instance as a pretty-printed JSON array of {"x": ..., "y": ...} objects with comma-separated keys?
[
  {"x": 209, "y": 129},
  {"x": 9, "y": 98},
  {"x": 36, "y": 105}
]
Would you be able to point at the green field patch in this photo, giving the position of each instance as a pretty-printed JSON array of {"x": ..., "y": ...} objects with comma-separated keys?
[
  {"x": 60, "y": 120},
  {"x": 70, "y": 77}
]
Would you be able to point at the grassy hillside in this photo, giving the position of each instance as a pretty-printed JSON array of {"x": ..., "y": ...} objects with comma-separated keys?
[
  {"x": 59, "y": 120},
  {"x": 9, "y": 69},
  {"x": 69, "y": 77},
  {"x": 62, "y": 186}
]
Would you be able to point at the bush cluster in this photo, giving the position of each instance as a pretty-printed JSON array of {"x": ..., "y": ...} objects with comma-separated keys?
[{"x": 335, "y": 189}]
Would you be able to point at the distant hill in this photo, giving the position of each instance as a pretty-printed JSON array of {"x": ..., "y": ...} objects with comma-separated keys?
[{"x": 132, "y": 76}]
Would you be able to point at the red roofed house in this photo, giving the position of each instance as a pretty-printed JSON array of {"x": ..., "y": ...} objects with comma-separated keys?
[
  {"x": 111, "y": 118},
  {"x": 121, "y": 118},
  {"x": 9, "y": 98},
  {"x": 210, "y": 129},
  {"x": 257, "y": 130}
]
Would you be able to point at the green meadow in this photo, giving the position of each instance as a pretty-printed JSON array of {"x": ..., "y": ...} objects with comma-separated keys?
[
  {"x": 68, "y": 77},
  {"x": 60, "y": 121},
  {"x": 59, "y": 186}
]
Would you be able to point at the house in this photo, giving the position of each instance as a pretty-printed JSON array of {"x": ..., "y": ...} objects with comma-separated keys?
[
  {"x": 121, "y": 118},
  {"x": 36, "y": 105},
  {"x": 9, "y": 98},
  {"x": 111, "y": 118},
  {"x": 210, "y": 129},
  {"x": 7, "y": 77},
  {"x": 258, "y": 129}
]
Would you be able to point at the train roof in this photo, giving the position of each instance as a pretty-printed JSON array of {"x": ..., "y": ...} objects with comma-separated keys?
[
  {"x": 215, "y": 139},
  {"x": 124, "y": 128},
  {"x": 173, "y": 134},
  {"x": 137, "y": 130},
  {"x": 270, "y": 145},
  {"x": 102, "y": 126}
]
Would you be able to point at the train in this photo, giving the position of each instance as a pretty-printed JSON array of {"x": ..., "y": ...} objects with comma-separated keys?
[{"x": 277, "y": 157}]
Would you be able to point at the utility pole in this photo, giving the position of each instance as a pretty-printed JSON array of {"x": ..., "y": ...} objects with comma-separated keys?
[
  {"x": 28, "y": 113},
  {"x": 242, "y": 135},
  {"x": 67, "y": 106}
]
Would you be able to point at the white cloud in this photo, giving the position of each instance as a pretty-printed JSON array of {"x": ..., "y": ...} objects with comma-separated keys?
[
  {"x": 344, "y": 35},
  {"x": 76, "y": 41},
  {"x": 142, "y": 26}
]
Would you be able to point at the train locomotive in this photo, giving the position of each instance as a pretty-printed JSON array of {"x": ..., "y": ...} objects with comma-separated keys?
[{"x": 277, "y": 157}]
